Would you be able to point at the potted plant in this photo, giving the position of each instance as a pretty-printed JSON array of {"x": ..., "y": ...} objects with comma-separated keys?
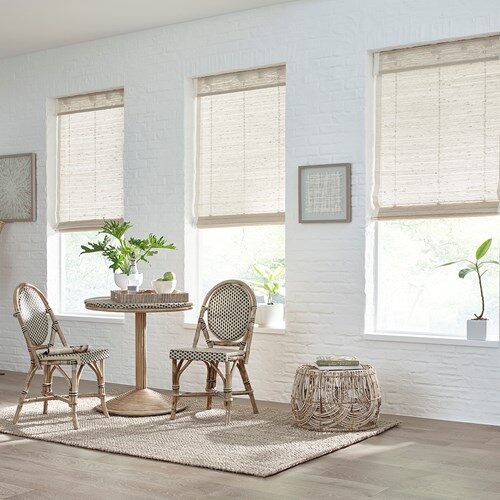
[
  {"x": 269, "y": 283},
  {"x": 165, "y": 284},
  {"x": 124, "y": 253},
  {"x": 476, "y": 327}
]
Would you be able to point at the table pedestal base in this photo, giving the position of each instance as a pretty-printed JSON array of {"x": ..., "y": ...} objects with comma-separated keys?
[{"x": 140, "y": 403}]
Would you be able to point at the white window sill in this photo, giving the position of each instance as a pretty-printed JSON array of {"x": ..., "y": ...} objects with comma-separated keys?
[
  {"x": 117, "y": 318},
  {"x": 257, "y": 329},
  {"x": 428, "y": 339}
]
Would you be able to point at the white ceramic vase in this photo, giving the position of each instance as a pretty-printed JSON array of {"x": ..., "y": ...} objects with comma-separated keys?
[
  {"x": 477, "y": 329},
  {"x": 122, "y": 281},
  {"x": 269, "y": 315},
  {"x": 161, "y": 286}
]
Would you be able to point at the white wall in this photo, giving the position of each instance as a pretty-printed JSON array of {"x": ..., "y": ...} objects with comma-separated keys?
[{"x": 325, "y": 45}]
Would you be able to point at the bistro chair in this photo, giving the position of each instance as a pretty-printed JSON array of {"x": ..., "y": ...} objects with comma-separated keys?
[
  {"x": 40, "y": 329},
  {"x": 229, "y": 308}
]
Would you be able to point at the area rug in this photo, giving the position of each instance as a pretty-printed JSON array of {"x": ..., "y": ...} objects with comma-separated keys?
[{"x": 258, "y": 445}]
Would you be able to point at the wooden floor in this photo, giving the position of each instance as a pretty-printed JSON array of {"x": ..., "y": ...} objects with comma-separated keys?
[{"x": 420, "y": 459}]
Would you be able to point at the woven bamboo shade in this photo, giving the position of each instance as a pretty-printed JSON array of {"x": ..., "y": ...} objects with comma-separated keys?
[
  {"x": 240, "y": 176},
  {"x": 90, "y": 160},
  {"x": 437, "y": 130}
]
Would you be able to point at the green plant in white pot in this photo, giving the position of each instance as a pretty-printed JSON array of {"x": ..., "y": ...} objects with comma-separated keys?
[
  {"x": 477, "y": 327},
  {"x": 269, "y": 283},
  {"x": 124, "y": 253},
  {"x": 165, "y": 284}
]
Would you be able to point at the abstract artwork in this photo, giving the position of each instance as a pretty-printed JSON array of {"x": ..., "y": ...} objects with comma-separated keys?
[
  {"x": 325, "y": 193},
  {"x": 17, "y": 188}
]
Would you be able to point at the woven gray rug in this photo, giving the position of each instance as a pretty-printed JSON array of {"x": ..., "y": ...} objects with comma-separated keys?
[{"x": 258, "y": 445}]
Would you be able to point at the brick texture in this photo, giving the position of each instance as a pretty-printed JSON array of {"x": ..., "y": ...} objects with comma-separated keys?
[{"x": 325, "y": 45}]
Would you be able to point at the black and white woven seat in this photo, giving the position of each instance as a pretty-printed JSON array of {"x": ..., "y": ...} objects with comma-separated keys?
[
  {"x": 230, "y": 309},
  {"x": 206, "y": 354},
  {"x": 77, "y": 358},
  {"x": 41, "y": 330}
]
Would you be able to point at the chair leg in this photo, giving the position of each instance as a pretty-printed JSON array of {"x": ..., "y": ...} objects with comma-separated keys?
[
  {"x": 228, "y": 391},
  {"x": 102, "y": 387},
  {"x": 24, "y": 392},
  {"x": 246, "y": 382},
  {"x": 175, "y": 387},
  {"x": 208, "y": 385},
  {"x": 73, "y": 394},
  {"x": 211, "y": 384},
  {"x": 47, "y": 386}
]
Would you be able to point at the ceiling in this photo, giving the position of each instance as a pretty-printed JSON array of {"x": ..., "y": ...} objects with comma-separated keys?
[{"x": 32, "y": 25}]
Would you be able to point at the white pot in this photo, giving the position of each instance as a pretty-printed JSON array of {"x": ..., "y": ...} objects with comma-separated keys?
[
  {"x": 477, "y": 329},
  {"x": 161, "y": 286},
  {"x": 122, "y": 280},
  {"x": 269, "y": 315}
]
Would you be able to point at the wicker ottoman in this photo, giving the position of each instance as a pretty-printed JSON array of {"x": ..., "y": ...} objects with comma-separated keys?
[{"x": 336, "y": 401}]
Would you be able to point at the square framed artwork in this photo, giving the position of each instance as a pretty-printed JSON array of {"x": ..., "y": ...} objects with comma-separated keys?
[
  {"x": 325, "y": 193},
  {"x": 18, "y": 188}
]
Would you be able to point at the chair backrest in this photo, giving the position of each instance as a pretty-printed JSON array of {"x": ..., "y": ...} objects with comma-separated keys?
[
  {"x": 230, "y": 307},
  {"x": 37, "y": 321}
]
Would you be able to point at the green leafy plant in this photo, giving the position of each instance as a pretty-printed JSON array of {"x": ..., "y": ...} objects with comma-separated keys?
[
  {"x": 121, "y": 252},
  {"x": 270, "y": 280},
  {"x": 477, "y": 267},
  {"x": 168, "y": 276}
]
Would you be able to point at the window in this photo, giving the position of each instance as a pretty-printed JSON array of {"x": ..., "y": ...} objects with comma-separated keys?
[
  {"x": 436, "y": 166},
  {"x": 413, "y": 295},
  {"x": 230, "y": 252},
  {"x": 240, "y": 177},
  {"x": 89, "y": 190},
  {"x": 81, "y": 276}
]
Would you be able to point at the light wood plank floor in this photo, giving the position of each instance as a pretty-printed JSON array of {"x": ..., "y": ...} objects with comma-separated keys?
[{"x": 421, "y": 459}]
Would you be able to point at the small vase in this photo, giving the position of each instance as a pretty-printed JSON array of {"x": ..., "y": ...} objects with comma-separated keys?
[
  {"x": 269, "y": 315},
  {"x": 121, "y": 281},
  {"x": 134, "y": 278},
  {"x": 477, "y": 329}
]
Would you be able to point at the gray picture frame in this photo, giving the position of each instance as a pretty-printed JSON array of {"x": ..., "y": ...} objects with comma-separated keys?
[
  {"x": 345, "y": 215},
  {"x": 25, "y": 192}
]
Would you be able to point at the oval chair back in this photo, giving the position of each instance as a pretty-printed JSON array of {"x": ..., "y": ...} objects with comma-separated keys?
[
  {"x": 230, "y": 308},
  {"x": 37, "y": 321}
]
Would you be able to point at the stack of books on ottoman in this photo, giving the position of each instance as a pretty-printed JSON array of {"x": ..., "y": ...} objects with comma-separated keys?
[{"x": 338, "y": 363}]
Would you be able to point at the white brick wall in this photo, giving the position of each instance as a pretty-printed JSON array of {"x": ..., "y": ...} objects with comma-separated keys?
[{"x": 325, "y": 45}]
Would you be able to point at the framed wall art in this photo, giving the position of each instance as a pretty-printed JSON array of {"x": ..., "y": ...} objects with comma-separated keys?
[
  {"x": 18, "y": 188},
  {"x": 325, "y": 193}
]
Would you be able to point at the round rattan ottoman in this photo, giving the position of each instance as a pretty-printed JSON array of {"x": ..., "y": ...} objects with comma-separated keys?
[{"x": 336, "y": 401}]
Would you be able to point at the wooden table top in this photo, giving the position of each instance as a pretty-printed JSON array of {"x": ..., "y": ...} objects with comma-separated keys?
[{"x": 106, "y": 304}]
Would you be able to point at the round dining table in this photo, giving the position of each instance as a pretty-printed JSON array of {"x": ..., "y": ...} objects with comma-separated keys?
[{"x": 141, "y": 401}]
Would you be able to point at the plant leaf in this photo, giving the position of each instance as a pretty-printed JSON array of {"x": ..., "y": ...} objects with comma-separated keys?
[
  {"x": 464, "y": 272},
  {"x": 482, "y": 249},
  {"x": 450, "y": 263}
]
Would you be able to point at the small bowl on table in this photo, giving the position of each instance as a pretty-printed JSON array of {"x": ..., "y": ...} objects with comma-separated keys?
[{"x": 162, "y": 286}]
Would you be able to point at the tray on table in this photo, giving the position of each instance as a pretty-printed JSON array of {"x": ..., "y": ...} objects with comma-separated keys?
[{"x": 148, "y": 296}]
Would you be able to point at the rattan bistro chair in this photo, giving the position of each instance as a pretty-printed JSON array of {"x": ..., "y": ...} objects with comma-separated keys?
[
  {"x": 40, "y": 329},
  {"x": 230, "y": 309}
]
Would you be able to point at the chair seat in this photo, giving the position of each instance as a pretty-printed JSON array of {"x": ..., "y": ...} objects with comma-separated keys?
[
  {"x": 206, "y": 354},
  {"x": 81, "y": 358}
]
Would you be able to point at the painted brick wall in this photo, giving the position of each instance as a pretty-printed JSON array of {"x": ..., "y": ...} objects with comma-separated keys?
[{"x": 325, "y": 45}]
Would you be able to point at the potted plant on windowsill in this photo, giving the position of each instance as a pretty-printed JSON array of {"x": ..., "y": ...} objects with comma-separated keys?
[
  {"x": 477, "y": 328},
  {"x": 165, "y": 284},
  {"x": 124, "y": 253},
  {"x": 269, "y": 284}
]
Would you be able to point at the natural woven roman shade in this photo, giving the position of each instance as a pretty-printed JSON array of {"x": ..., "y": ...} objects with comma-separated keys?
[
  {"x": 90, "y": 160},
  {"x": 241, "y": 148},
  {"x": 437, "y": 130}
]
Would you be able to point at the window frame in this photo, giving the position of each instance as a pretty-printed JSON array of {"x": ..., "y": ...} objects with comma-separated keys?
[{"x": 370, "y": 332}]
